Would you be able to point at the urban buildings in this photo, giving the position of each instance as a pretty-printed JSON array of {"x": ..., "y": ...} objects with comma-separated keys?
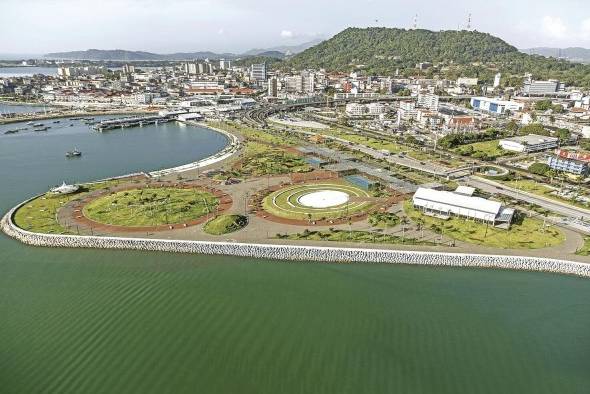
[
  {"x": 273, "y": 87},
  {"x": 529, "y": 143},
  {"x": 428, "y": 100},
  {"x": 543, "y": 88},
  {"x": 574, "y": 162},
  {"x": 495, "y": 106}
]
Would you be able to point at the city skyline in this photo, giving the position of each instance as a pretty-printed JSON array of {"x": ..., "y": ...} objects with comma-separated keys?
[{"x": 231, "y": 26}]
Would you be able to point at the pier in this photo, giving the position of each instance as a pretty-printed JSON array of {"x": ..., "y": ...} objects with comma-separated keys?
[{"x": 130, "y": 122}]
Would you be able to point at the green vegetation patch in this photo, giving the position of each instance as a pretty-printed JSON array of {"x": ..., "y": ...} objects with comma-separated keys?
[
  {"x": 485, "y": 150},
  {"x": 525, "y": 233},
  {"x": 353, "y": 236},
  {"x": 585, "y": 249},
  {"x": 225, "y": 224},
  {"x": 285, "y": 202},
  {"x": 40, "y": 215},
  {"x": 151, "y": 207},
  {"x": 262, "y": 159},
  {"x": 384, "y": 219}
]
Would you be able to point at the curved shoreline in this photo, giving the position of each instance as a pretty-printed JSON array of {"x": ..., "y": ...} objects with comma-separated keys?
[
  {"x": 232, "y": 146},
  {"x": 285, "y": 252},
  {"x": 295, "y": 252}
]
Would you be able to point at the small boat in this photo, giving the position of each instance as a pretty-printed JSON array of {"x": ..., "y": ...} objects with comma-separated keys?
[
  {"x": 30, "y": 123},
  {"x": 13, "y": 131},
  {"x": 56, "y": 121},
  {"x": 74, "y": 153},
  {"x": 38, "y": 124},
  {"x": 42, "y": 128}
]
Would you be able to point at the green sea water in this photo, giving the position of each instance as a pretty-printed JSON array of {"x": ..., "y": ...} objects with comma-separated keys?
[{"x": 91, "y": 321}]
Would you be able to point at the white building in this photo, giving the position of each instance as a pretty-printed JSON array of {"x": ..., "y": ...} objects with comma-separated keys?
[
  {"x": 497, "y": 80},
  {"x": 445, "y": 204},
  {"x": 428, "y": 100},
  {"x": 258, "y": 72},
  {"x": 375, "y": 109},
  {"x": 224, "y": 64},
  {"x": 495, "y": 106},
  {"x": 529, "y": 143},
  {"x": 542, "y": 88},
  {"x": 355, "y": 109},
  {"x": 464, "y": 81}
]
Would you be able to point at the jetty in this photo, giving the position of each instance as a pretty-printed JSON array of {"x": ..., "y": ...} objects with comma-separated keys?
[{"x": 130, "y": 122}]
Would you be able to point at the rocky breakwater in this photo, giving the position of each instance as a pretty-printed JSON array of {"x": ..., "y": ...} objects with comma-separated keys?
[{"x": 295, "y": 252}]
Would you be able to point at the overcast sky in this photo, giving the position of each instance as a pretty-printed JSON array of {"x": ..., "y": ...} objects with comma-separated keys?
[{"x": 41, "y": 26}]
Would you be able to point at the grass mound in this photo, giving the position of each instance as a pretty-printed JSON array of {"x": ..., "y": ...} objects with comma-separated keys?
[
  {"x": 225, "y": 224},
  {"x": 151, "y": 207}
]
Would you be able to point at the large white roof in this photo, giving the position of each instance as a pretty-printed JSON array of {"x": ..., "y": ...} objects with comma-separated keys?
[{"x": 458, "y": 200}]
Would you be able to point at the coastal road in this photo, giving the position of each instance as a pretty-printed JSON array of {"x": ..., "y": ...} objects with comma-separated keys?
[{"x": 567, "y": 210}]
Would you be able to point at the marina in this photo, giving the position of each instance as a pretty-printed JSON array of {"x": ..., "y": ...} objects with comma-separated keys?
[{"x": 138, "y": 121}]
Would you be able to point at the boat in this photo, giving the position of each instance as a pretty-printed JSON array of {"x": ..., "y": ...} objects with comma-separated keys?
[
  {"x": 30, "y": 123},
  {"x": 42, "y": 128},
  {"x": 13, "y": 131},
  {"x": 38, "y": 124},
  {"x": 74, "y": 153},
  {"x": 56, "y": 121}
]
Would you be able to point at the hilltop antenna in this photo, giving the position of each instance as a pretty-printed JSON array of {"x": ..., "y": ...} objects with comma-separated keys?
[
  {"x": 469, "y": 22},
  {"x": 415, "y": 25}
]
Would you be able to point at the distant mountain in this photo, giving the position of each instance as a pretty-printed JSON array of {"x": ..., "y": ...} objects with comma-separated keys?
[
  {"x": 284, "y": 49},
  {"x": 124, "y": 55},
  {"x": 573, "y": 54}
]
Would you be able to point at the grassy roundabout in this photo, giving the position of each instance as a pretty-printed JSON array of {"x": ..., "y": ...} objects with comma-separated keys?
[
  {"x": 287, "y": 202},
  {"x": 151, "y": 207}
]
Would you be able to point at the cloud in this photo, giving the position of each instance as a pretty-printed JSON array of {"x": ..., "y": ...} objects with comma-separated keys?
[
  {"x": 221, "y": 31},
  {"x": 585, "y": 29},
  {"x": 287, "y": 34},
  {"x": 553, "y": 27}
]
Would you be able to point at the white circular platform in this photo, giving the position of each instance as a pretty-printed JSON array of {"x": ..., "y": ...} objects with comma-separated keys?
[{"x": 323, "y": 199}]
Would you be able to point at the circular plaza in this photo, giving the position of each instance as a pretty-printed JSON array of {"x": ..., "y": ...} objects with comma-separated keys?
[{"x": 318, "y": 201}]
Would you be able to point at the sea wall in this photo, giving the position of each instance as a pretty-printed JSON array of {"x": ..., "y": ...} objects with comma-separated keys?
[{"x": 296, "y": 252}]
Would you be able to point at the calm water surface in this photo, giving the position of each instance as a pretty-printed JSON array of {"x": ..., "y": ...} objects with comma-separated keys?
[{"x": 89, "y": 321}]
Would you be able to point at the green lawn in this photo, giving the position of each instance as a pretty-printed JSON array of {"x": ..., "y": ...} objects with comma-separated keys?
[
  {"x": 482, "y": 150},
  {"x": 261, "y": 159},
  {"x": 225, "y": 224},
  {"x": 524, "y": 234},
  {"x": 39, "y": 215},
  {"x": 151, "y": 207}
]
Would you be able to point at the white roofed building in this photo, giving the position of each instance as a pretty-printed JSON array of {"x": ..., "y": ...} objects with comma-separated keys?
[{"x": 445, "y": 204}]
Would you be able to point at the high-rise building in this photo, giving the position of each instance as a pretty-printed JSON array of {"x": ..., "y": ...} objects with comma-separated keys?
[
  {"x": 258, "y": 72},
  {"x": 428, "y": 100},
  {"x": 273, "y": 87},
  {"x": 308, "y": 82},
  {"x": 128, "y": 69},
  {"x": 497, "y": 79},
  {"x": 294, "y": 84},
  {"x": 225, "y": 64}
]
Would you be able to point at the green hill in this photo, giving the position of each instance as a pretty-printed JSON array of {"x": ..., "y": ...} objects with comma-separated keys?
[{"x": 469, "y": 53}]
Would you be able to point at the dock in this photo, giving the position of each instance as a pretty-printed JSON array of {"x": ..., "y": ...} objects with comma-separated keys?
[{"x": 130, "y": 122}]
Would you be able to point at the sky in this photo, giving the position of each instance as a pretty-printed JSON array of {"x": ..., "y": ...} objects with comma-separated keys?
[{"x": 42, "y": 26}]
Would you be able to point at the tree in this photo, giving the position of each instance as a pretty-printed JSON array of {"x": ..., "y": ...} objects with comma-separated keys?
[
  {"x": 539, "y": 168},
  {"x": 543, "y": 105}
]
